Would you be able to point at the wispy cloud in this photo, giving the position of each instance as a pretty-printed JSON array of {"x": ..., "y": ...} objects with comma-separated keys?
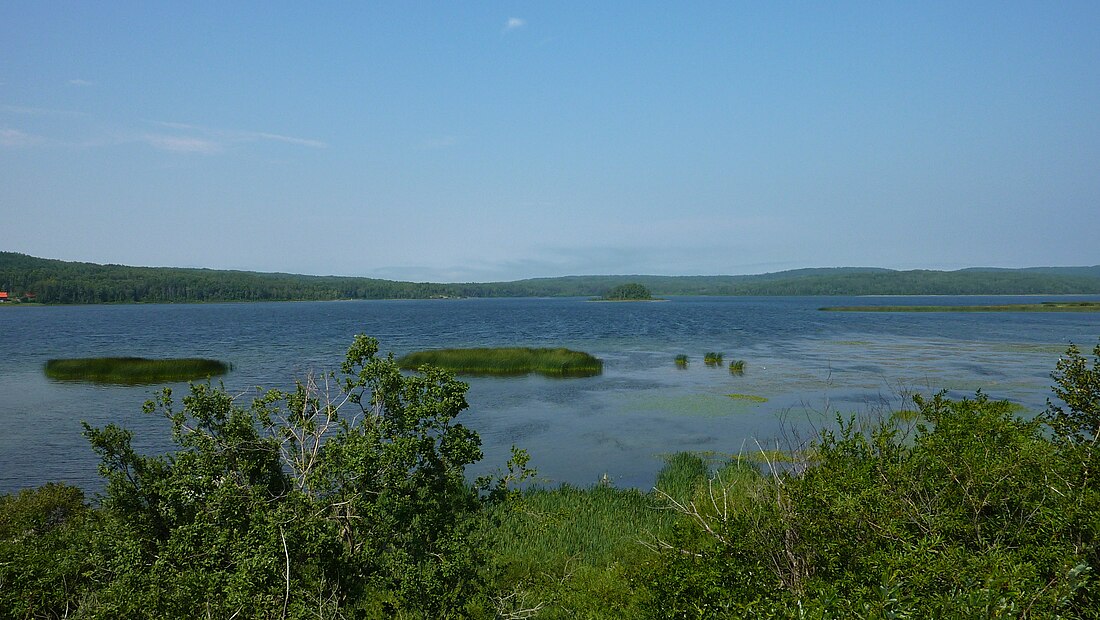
[
  {"x": 514, "y": 23},
  {"x": 30, "y": 111},
  {"x": 15, "y": 138},
  {"x": 78, "y": 82},
  {"x": 181, "y": 144},
  {"x": 199, "y": 139}
]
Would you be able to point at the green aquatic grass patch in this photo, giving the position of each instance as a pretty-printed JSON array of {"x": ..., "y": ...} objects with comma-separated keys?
[
  {"x": 752, "y": 398},
  {"x": 682, "y": 361},
  {"x": 133, "y": 370},
  {"x": 507, "y": 361},
  {"x": 737, "y": 367},
  {"x": 1046, "y": 306},
  {"x": 712, "y": 359}
]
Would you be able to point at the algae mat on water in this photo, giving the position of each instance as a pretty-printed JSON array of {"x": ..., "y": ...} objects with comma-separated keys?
[
  {"x": 133, "y": 370},
  {"x": 507, "y": 361}
]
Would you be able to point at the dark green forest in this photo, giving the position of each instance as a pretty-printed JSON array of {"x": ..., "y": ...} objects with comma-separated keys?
[
  {"x": 61, "y": 282},
  {"x": 311, "y": 503}
]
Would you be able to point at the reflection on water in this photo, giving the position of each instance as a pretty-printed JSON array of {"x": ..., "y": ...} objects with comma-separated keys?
[{"x": 808, "y": 364}]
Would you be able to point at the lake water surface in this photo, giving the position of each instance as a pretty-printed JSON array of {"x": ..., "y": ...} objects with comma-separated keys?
[{"x": 808, "y": 364}]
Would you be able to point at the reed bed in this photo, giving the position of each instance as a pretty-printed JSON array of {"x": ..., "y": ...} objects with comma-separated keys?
[
  {"x": 712, "y": 359},
  {"x": 507, "y": 361},
  {"x": 682, "y": 360},
  {"x": 737, "y": 367},
  {"x": 133, "y": 370}
]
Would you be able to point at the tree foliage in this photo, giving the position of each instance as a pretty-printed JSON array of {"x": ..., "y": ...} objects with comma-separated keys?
[
  {"x": 346, "y": 497},
  {"x": 346, "y": 493},
  {"x": 631, "y": 291},
  {"x": 971, "y": 512}
]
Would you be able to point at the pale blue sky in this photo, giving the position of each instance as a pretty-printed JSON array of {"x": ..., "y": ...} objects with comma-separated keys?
[{"x": 488, "y": 141}]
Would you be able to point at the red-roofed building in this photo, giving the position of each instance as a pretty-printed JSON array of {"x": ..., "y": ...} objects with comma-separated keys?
[{"x": 3, "y": 296}]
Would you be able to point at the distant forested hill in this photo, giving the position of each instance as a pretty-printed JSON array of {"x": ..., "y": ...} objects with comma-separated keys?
[{"x": 54, "y": 281}]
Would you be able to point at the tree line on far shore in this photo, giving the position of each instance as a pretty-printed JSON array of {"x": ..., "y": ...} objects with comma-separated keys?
[{"x": 62, "y": 282}]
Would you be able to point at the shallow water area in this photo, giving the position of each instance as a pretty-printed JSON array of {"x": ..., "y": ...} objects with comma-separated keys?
[{"x": 808, "y": 364}]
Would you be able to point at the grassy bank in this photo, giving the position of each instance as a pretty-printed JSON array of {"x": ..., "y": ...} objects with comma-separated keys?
[
  {"x": 506, "y": 361},
  {"x": 133, "y": 370},
  {"x": 1046, "y": 306}
]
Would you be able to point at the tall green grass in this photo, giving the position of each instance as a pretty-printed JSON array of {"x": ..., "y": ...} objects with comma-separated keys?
[
  {"x": 682, "y": 474},
  {"x": 712, "y": 359},
  {"x": 506, "y": 361},
  {"x": 737, "y": 367},
  {"x": 583, "y": 552},
  {"x": 682, "y": 360},
  {"x": 574, "y": 551},
  {"x": 133, "y": 370}
]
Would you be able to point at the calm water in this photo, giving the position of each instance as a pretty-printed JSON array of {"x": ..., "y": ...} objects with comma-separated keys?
[{"x": 808, "y": 364}]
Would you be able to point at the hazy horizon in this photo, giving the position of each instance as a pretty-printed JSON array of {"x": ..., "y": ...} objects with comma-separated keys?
[{"x": 503, "y": 141}]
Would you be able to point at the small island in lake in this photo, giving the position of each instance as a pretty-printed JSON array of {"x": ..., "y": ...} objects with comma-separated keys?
[
  {"x": 505, "y": 361},
  {"x": 631, "y": 291},
  {"x": 133, "y": 370},
  {"x": 1046, "y": 306}
]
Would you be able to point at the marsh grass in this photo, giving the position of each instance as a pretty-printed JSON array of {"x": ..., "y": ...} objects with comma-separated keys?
[
  {"x": 507, "y": 361},
  {"x": 681, "y": 361},
  {"x": 572, "y": 551},
  {"x": 133, "y": 370},
  {"x": 737, "y": 367},
  {"x": 712, "y": 359},
  {"x": 682, "y": 474}
]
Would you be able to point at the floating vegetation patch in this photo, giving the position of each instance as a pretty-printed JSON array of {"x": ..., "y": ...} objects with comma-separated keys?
[
  {"x": 737, "y": 367},
  {"x": 133, "y": 370},
  {"x": 749, "y": 398},
  {"x": 712, "y": 359},
  {"x": 1046, "y": 306},
  {"x": 1054, "y": 349},
  {"x": 507, "y": 361},
  {"x": 681, "y": 361}
]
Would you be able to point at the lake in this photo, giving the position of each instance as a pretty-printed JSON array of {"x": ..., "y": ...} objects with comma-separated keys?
[{"x": 809, "y": 365}]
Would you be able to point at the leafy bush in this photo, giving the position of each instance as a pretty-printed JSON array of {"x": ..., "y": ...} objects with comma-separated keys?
[
  {"x": 978, "y": 513},
  {"x": 347, "y": 494}
]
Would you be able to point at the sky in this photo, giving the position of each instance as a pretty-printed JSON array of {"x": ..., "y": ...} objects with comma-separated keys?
[{"x": 486, "y": 141}]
